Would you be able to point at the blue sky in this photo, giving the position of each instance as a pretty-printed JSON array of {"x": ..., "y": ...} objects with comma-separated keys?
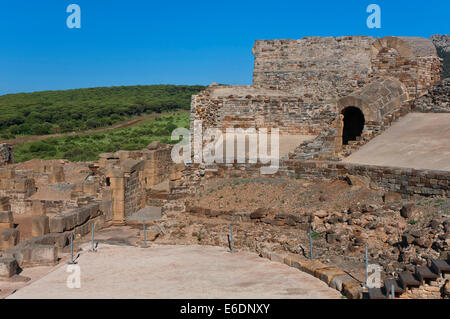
[{"x": 177, "y": 42}]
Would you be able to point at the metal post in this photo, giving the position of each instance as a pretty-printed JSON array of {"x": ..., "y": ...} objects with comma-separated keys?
[
  {"x": 145, "y": 233},
  {"x": 392, "y": 291},
  {"x": 310, "y": 244},
  {"x": 231, "y": 237},
  {"x": 367, "y": 266},
  {"x": 92, "y": 239},
  {"x": 71, "y": 261}
]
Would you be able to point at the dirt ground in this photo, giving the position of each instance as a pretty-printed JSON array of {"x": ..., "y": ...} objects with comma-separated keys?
[
  {"x": 121, "y": 271},
  {"x": 286, "y": 195},
  {"x": 417, "y": 140}
]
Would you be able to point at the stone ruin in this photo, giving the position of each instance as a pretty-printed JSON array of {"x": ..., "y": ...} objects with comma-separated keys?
[
  {"x": 348, "y": 93},
  {"x": 343, "y": 97}
]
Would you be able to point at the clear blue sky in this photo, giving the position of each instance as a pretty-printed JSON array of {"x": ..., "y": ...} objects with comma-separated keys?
[{"x": 177, "y": 42}]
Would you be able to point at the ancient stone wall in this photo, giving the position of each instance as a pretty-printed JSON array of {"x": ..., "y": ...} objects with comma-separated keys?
[
  {"x": 417, "y": 73},
  {"x": 320, "y": 68},
  {"x": 297, "y": 83},
  {"x": 17, "y": 188},
  {"x": 291, "y": 114},
  {"x": 133, "y": 193},
  {"x": 130, "y": 175},
  {"x": 157, "y": 167},
  {"x": 437, "y": 100},
  {"x": 6, "y": 154},
  {"x": 397, "y": 179}
]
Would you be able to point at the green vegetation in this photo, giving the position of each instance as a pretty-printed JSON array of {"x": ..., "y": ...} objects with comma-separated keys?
[
  {"x": 87, "y": 147},
  {"x": 315, "y": 235},
  {"x": 48, "y": 112}
]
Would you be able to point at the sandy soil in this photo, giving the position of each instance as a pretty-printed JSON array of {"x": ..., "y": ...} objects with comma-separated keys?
[
  {"x": 417, "y": 140},
  {"x": 177, "y": 272},
  {"x": 285, "y": 195}
]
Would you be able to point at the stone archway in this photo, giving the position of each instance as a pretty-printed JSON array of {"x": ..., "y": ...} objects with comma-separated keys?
[{"x": 353, "y": 124}]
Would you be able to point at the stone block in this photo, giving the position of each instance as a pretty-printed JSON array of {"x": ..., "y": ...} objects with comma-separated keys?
[
  {"x": 30, "y": 254},
  {"x": 105, "y": 207},
  {"x": 40, "y": 225},
  {"x": 9, "y": 237},
  {"x": 150, "y": 235},
  {"x": 60, "y": 240},
  {"x": 6, "y": 217},
  {"x": 352, "y": 289},
  {"x": 153, "y": 145},
  {"x": 390, "y": 197},
  {"x": 277, "y": 257},
  {"x": 338, "y": 281},
  {"x": 327, "y": 274},
  {"x": 8, "y": 267},
  {"x": 6, "y": 225},
  {"x": 310, "y": 266},
  {"x": 57, "y": 224},
  {"x": 38, "y": 208}
]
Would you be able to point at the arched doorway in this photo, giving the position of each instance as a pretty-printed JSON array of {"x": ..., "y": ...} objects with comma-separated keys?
[{"x": 353, "y": 124}]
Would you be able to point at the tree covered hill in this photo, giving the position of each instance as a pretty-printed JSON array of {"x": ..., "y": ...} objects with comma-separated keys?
[{"x": 49, "y": 112}]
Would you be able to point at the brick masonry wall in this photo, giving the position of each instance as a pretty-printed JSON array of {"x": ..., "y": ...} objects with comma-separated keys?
[
  {"x": 402, "y": 180},
  {"x": 133, "y": 193},
  {"x": 437, "y": 100},
  {"x": 417, "y": 73},
  {"x": 342, "y": 66},
  {"x": 397, "y": 179}
]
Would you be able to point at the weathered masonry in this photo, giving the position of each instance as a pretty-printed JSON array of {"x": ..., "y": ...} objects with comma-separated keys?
[{"x": 351, "y": 84}]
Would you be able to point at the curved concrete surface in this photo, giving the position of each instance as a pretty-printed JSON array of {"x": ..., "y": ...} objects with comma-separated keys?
[
  {"x": 177, "y": 272},
  {"x": 418, "y": 140}
]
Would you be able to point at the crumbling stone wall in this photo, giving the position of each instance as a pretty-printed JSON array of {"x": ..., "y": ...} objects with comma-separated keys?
[
  {"x": 413, "y": 61},
  {"x": 17, "y": 188},
  {"x": 291, "y": 114},
  {"x": 437, "y": 100},
  {"x": 130, "y": 176},
  {"x": 6, "y": 154},
  {"x": 397, "y": 179},
  {"x": 317, "y": 68},
  {"x": 133, "y": 193},
  {"x": 297, "y": 83}
]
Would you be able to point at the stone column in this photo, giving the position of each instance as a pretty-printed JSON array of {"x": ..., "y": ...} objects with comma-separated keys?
[{"x": 117, "y": 184}]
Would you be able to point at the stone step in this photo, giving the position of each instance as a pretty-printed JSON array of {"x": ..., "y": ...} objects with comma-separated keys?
[
  {"x": 376, "y": 293},
  {"x": 424, "y": 273},
  {"x": 407, "y": 279},
  {"x": 397, "y": 288},
  {"x": 440, "y": 266}
]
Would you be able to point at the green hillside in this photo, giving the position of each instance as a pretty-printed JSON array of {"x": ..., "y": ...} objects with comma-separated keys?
[
  {"x": 86, "y": 147},
  {"x": 49, "y": 112}
]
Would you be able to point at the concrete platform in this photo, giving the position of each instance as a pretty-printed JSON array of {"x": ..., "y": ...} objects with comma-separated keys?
[
  {"x": 177, "y": 272},
  {"x": 418, "y": 140}
]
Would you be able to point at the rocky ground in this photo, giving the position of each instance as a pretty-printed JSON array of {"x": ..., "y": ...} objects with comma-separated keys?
[{"x": 400, "y": 231}]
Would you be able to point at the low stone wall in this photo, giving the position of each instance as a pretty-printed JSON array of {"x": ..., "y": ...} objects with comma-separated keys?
[
  {"x": 398, "y": 179},
  {"x": 17, "y": 188},
  {"x": 253, "y": 108}
]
